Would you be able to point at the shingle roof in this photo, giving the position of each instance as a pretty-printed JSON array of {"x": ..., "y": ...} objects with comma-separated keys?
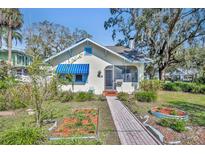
[{"x": 131, "y": 54}]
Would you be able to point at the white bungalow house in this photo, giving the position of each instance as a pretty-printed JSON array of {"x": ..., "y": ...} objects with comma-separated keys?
[{"x": 99, "y": 68}]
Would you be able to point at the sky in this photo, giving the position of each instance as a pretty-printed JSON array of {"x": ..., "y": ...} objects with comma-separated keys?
[{"x": 91, "y": 20}]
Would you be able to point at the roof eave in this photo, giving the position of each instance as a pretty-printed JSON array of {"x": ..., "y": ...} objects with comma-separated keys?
[{"x": 87, "y": 39}]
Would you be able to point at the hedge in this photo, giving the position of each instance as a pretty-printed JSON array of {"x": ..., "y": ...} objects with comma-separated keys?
[{"x": 185, "y": 87}]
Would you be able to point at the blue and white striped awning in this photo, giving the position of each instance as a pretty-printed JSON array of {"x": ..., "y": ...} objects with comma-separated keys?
[{"x": 72, "y": 69}]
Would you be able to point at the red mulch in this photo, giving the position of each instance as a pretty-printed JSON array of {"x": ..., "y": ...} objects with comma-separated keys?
[{"x": 168, "y": 111}]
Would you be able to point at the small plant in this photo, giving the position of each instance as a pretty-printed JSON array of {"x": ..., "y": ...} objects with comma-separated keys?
[
  {"x": 158, "y": 109},
  {"x": 164, "y": 122},
  {"x": 83, "y": 96},
  {"x": 173, "y": 112},
  {"x": 122, "y": 96},
  {"x": 66, "y": 96},
  {"x": 176, "y": 124},
  {"x": 22, "y": 136},
  {"x": 78, "y": 124},
  {"x": 146, "y": 96}
]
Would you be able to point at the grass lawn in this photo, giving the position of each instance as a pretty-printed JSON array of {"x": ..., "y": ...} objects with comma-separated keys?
[
  {"x": 193, "y": 104},
  {"x": 107, "y": 133}
]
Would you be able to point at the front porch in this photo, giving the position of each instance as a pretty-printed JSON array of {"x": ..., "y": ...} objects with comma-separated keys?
[{"x": 120, "y": 78}]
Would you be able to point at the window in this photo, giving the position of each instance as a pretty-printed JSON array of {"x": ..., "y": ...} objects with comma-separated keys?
[
  {"x": 18, "y": 59},
  {"x": 88, "y": 50},
  {"x": 79, "y": 78}
]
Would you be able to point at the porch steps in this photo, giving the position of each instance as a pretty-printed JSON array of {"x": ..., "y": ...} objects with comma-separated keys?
[{"x": 109, "y": 93}]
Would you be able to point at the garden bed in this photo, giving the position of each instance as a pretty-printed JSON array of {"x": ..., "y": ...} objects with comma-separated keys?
[
  {"x": 83, "y": 123},
  {"x": 193, "y": 135},
  {"x": 166, "y": 112}
]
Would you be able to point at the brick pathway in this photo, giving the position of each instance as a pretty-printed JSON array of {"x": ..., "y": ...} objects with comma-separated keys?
[{"x": 130, "y": 130}]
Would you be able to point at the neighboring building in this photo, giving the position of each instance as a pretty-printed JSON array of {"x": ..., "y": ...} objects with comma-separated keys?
[
  {"x": 99, "y": 68},
  {"x": 20, "y": 61},
  {"x": 182, "y": 75}
]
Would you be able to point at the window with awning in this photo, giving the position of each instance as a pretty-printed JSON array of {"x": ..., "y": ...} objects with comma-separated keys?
[{"x": 78, "y": 71}]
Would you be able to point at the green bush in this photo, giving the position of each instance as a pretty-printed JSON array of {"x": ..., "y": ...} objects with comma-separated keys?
[
  {"x": 123, "y": 96},
  {"x": 176, "y": 124},
  {"x": 22, "y": 136},
  {"x": 146, "y": 96},
  {"x": 185, "y": 87},
  {"x": 66, "y": 96},
  {"x": 7, "y": 82},
  {"x": 171, "y": 86},
  {"x": 164, "y": 122},
  {"x": 84, "y": 96},
  {"x": 150, "y": 85},
  {"x": 18, "y": 96}
]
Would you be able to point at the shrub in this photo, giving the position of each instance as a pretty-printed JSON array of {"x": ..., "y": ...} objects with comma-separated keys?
[
  {"x": 164, "y": 122},
  {"x": 123, "y": 96},
  {"x": 185, "y": 87},
  {"x": 66, "y": 96},
  {"x": 146, "y": 96},
  {"x": 22, "y": 136},
  {"x": 150, "y": 85},
  {"x": 171, "y": 86},
  {"x": 18, "y": 96},
  {"x": 84, "y": 96},
  {"x": 7, "y": 82},
  {"x": 176, "y": 124}
]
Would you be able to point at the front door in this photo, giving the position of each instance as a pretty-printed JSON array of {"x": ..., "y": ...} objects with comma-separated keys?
[{"x": 108, "y": 79}]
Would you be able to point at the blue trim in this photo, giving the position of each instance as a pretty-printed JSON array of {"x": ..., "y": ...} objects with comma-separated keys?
[{"x": 161, "y": 115}]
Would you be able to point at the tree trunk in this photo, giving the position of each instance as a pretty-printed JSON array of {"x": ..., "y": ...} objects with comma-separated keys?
[
  {"x": 0, "y": 42},
  {"x": 9, "y": 48},
  {"x": 38, "y": 118},
  {"x": 161, "y": 73}
]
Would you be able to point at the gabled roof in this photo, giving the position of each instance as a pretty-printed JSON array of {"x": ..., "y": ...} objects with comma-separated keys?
[{"x": 101, "y": 46}]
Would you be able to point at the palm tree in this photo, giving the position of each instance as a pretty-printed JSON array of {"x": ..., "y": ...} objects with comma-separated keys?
[
  {"x": 13, "y": 20},
  {"x": 16, "y": 36}
]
